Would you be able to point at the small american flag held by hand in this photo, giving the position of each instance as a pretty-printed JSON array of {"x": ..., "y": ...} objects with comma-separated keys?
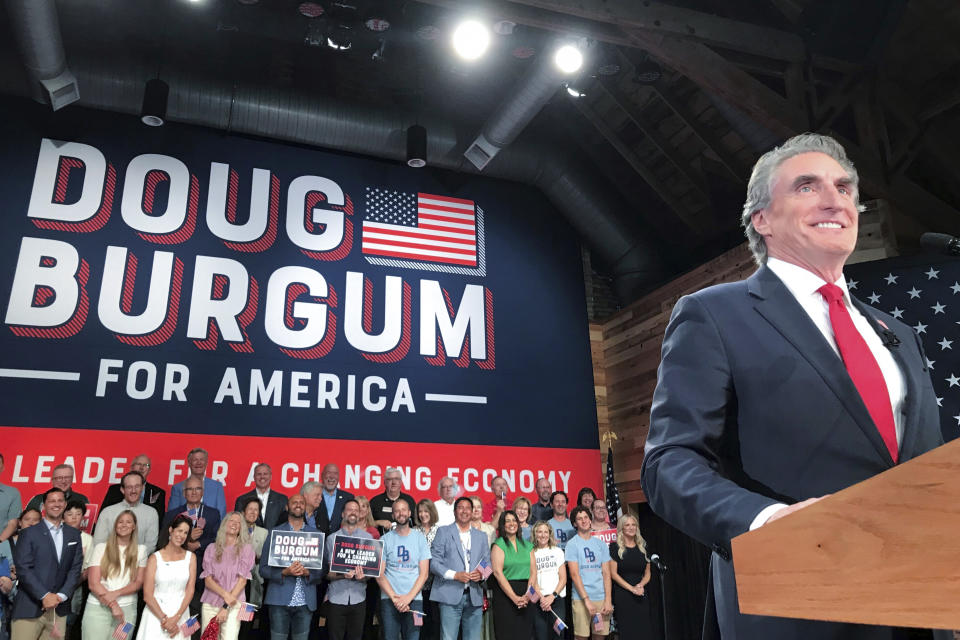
[
  {"x": 247, "y": 612},
  {"x": 597, "y": 622},
  {"x": 485, "y": 569},
  {"x": 558, "y": 626},
  {"x": 56, "y": 631},
  {"x": 191, "y": 626},
  {"x": 417, "y": 618},
  {"x": 532, "y": 594},
  {"x": 123, "y": 630}
]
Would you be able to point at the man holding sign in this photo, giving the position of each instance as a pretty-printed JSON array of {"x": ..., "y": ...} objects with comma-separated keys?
[
  {"x": 291, "y": 590},
  {"x": 347, "y": 592},
  {"x": 406, "y": 559}
]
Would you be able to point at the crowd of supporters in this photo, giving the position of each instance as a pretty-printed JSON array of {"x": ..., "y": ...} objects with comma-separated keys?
[{"x": 470, "y": 567}]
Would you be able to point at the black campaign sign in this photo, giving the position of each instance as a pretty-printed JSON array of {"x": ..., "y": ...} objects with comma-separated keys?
[{"x": 350, "y": 553}]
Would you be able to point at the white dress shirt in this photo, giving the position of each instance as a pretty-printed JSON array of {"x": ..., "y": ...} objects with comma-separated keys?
[
  {"x": 804, "y": 285},
  {"x": 445, "y": 513}
]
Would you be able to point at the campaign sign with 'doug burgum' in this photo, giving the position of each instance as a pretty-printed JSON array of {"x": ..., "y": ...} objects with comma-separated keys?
[
  {"x": 287, "y": 547},
  {"x": 167, "y": 289}
]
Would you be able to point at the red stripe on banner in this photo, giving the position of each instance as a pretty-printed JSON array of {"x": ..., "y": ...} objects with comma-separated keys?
[
  {"x": 430, "y": 196},
  {"x": 416, "y": 245},
  {"x": 438, "y": 209},
  {"x": 421, "y": 236},
  {"x": 448, "y": 219},
  {"x": 101, "y": 457},
  {"x": 377, "y": 252},
  {"x": 436, "y": 227}
]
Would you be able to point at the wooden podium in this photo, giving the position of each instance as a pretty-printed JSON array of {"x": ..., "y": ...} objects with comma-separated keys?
[{"x": 885, "y": 551}]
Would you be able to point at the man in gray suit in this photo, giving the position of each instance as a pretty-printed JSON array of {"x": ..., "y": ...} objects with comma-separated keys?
[
  {"x": 457, "y": 551},
  {"x": 782, "y": 388}
]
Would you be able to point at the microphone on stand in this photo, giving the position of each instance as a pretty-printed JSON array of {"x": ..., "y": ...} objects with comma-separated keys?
[
  {"x": 940, "y": 243},
  {"x": 657, "y": 562}
]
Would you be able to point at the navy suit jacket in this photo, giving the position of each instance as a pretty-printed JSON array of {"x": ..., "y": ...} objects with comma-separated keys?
[
  {"x": 280, "y": 587},
  {"x": 270, "y": 515},
  {"x": 39, "y": 572},
  {"x": 332, "y": 523},
  {"x": 753, "y": 407}
]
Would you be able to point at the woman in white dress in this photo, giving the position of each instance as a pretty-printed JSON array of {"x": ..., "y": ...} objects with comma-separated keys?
[{"x": 168, "y": 585}]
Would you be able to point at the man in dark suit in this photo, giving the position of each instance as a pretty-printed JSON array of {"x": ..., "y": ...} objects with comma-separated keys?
[
  {"x": 152, "y": 496},
  {"x": 783, "y": 388},
  {"x": 205, "y": 518},
  {"x": 48, "y": 557},
  {"x": 330, "y": 513},
  {"x": 272, "y": 504}
]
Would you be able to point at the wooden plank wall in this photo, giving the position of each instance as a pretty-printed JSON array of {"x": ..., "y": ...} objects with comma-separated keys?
[{"x": 626, "y": 346}]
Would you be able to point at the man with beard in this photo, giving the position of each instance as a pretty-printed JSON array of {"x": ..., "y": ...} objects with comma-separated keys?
[
  {"x": 542, "y": 510},
  {"x": 347, "y": 592},
  {"x": 406, "y": 562},
  {"x": 291, "y": 595}
]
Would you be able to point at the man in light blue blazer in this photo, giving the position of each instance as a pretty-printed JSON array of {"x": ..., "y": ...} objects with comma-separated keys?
[
  {"x": 457, "y": 551},
  {"x": 213, "y": 495}
]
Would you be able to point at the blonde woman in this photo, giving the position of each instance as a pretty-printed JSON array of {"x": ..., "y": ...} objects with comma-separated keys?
[
  {"x": 523, "y": 508},
  {"x": 366, "y": 519},
  {"x": 227, "y": 565},
  {"x": 477, "y": 521},
  {"x": 548, "y": 571},
  {"x": 630, "y": 573},
  {"x": 116, "y": 573}
]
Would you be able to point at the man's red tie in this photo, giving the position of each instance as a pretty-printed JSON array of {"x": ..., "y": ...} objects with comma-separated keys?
[{"x": 862, "y": 366}]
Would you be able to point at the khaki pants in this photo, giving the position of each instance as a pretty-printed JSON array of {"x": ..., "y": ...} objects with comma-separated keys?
[
  {"x": 38, "y": 628},
  {"x": 230, "y": 628}
]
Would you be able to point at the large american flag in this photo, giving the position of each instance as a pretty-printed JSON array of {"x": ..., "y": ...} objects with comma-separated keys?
[
  {"x": 420, "y": 226},
  {"x": 924, "y": 293},
  {"x": 614, "y": 508}
]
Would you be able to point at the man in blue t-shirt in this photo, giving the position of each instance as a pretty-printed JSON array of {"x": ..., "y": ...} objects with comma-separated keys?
[
  {"x": 563, "y": 529},
  {"x": 588, "y": 563},
  {"x": 406, "y": 562}
]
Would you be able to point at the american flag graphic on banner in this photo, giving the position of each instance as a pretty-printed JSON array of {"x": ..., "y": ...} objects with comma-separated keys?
[
  {"x": 924, "y": 293},
  {"x": 423, "y": 231},
  {"x": 122, "y": 632}
]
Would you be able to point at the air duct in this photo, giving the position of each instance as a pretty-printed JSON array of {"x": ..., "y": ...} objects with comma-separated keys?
[
  {"x": 37, "y": 29},
  {"x": 587, "y": 201},
  {"x": 532, "y": 91}
]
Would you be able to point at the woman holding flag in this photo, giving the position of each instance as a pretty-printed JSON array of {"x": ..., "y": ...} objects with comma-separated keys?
[
  {"x": 227, "y": 566},
  {"x": 116, "y": 574},
  {"x": 549, "y": 570}
]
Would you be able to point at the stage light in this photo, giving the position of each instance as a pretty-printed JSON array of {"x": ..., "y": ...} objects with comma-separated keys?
[
  {"x": 568, "y": 59},
  {"x": 416, "y": 146},
  {"x": 471, "y": 39},
  {"x": 573, "y": 92},
  {"x": 153, "y": 113}
]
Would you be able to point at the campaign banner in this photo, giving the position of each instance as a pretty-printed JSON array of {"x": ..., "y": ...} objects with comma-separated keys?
[
  {"x": 606, "y": 535},
  {"x": 284, "y": 304},
  {"x": 349, "y": 553},
  {"x": 287, "y": 547},
  {"x": 102, "y": 460}
]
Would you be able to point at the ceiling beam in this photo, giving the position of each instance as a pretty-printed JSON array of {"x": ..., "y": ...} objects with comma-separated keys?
[
  {"x": 633, "y": 159},
  {"x": 650, "y": 130},
  {"x": 685, "y": 23},
  {"x": 715, "y": 75},
  {"x": 735, "y": 167}
]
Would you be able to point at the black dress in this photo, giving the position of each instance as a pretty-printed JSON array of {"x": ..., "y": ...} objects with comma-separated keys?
[{"x": 631, "y": 611}]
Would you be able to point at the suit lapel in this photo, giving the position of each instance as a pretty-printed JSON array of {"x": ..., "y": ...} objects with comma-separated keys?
[
  {"x": 912, "y": 383},
  {"x": 778, "y": 307}
]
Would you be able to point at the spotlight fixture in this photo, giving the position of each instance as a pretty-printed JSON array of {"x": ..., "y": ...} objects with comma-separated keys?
[
  {"x": 471, "y": 39},
  {"x": 340, "y": 37},
  {"x": 416, "y": 146},
  {"x": 568, "y": 59},
  {"x": 153, "y": 113},
  {"x": 573, "y": 92}
]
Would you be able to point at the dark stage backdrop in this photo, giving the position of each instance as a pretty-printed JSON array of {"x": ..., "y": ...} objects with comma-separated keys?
[{"x": 178, "y": 287}]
